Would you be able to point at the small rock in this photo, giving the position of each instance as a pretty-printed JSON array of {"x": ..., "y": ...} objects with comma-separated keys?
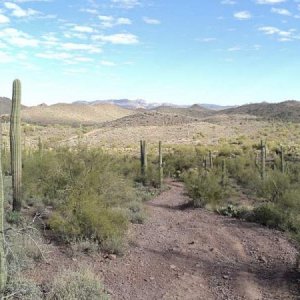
[
  {"x": 112, "y": 256},
  {"x": 173, "y": 267},
  {"x": 262, "y": 259},
  {"x": 211, "y": 249},
  {"x": 191, "y": 243},
  {"x": 225, "y": 277},
  {"x": 152, "y": 278}
]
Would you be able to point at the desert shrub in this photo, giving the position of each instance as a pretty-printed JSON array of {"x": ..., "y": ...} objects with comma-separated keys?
[
  {"x": 19, "y": 287},
  {"x": 204, "y": 188},
  {"x": 270, "y": 215},
  {"x": 180, "y": 160},
  {"x": 274, "y": 186},
  {"x": 81, "y": 284},
  {"x": 86, "y": 246},
  {"x": 86, "y": 218},
  {"x": 13, "y": 217},
  {"x": 89, "y": 190},
  {"x": 24, "y": 247},
  {"x": 136, "y": 212}
]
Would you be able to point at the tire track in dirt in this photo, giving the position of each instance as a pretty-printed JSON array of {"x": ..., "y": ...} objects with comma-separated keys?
[{"x": 196, "y": 254}]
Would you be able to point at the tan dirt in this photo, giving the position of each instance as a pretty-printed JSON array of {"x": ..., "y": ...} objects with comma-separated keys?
[{"x": 196, "y": 254}]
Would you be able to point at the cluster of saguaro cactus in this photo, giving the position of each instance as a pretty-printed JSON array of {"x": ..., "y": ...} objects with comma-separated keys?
[{"x": 15, "y": 145}]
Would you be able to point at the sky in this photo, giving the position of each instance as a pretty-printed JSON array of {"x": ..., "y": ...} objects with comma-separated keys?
[{"x": 179, "y": 51}]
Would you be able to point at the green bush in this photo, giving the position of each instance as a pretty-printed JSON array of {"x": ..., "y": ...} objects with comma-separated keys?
[
  {"x": 204, "y": 188},
  {"x": 21, "y": 288},
  {"x": 77, "y": 285},
  {"x": 270, "y": 215},
  {"x": 91, "y": 193},
  {"x": 274, "y": 186}
]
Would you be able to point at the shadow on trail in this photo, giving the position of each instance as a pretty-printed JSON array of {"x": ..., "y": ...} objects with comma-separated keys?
[
  {"x": 182, "y": 206},
  {"x": 272, "y": 274}
]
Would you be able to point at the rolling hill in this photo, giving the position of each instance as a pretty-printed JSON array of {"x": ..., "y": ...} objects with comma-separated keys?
[
  {"x": 151, "y": 118},
  {"x": 5, "y": 106},
  {"x": 195, "y": 111},
  {"x": 285, "y": 111},
  {"x": 73, "y": 114}
]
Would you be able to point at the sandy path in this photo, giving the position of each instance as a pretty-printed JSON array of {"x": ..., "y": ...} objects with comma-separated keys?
[{"x": 196, "y": 254}]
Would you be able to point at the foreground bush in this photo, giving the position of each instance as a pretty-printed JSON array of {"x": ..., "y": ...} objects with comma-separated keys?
[
  {"x": 204, "y": 188},
  {"x": 77, "y": 285},
  {"x": 93, "y": 194}
]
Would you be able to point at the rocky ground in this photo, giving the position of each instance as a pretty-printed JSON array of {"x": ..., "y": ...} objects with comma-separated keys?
[
  {"x": 190, "y": 254},
  {"x": 196, "y": 254}
]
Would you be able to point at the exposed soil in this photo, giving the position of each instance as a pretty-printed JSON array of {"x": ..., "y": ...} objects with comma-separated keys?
[
  {"x": 196, "y": 254},
  {"x": 191, "y": 254}
]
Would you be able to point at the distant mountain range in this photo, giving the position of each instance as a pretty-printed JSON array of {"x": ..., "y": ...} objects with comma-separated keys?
[
  {"x": 143, "y": 104},
  {"x": 97, "y": 112}
]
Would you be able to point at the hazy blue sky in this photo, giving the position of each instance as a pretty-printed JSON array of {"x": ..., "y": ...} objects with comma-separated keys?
[{"x": 180, "y": 51}]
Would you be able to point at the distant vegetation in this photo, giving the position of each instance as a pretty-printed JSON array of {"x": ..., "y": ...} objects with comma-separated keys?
[
  {"x": 239, "y": 169},
  {"x": 285, "y": 111}
]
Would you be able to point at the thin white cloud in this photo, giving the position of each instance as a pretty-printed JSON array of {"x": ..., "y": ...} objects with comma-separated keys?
[
  {"x": 243, "y": 15},
  {"x": 107, "y": 63},
  {"x": 84, "y": 29},
  {"x": 281, "y": 35},
  {"x": 207, "y": 40},
  {"x": 5, "y": 58},
  {"x": 119, "y": 38},
  {"x": 270, "y": 1},
  {"x": 233, "y": 49},
  {"x": 4, "y": 19},
  {"x": 110, "y": 21},
  {"x": 126, "y": 3},
  {"x": 151, "y": 21},
  {"x": 19, "y": 12},
  {"x": 228, "y": 2},
  {"x": 81, "y": 47},
  {"x": 18, "y": 38},
  {"x": 281, "y": 11}
]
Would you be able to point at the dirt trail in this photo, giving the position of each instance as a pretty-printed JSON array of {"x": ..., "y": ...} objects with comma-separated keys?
[{"x": 196, "y": 254}]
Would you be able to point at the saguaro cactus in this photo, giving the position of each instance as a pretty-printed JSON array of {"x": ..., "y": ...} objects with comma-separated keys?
[
  {"x": 3, "y": 269},
  {"x": 211, "y": 165},
  {"x": 40, "y": 146},
  {"x": 263, "y": 160},
  {"x": 161, "y": 170},
  {"x": 223, "y": 172},
  {"x": 15, "y": 145},
  {"x": 144, "y": 162},
  {"x": 282, "y": 161}
]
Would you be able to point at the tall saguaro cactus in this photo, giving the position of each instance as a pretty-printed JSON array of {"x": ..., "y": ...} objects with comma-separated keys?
[
  {"x": 211, "y": 164},
  {"x": 161, "y": 170},
  {"x": 223, "y": 180},
  {"x": 144, "y": 161},
  {"x": 3, "y": 269},
  {"x": 282, "y": 162},
  {"x": 15, "y": 145},
  {"x": 263, "y": 160}
]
